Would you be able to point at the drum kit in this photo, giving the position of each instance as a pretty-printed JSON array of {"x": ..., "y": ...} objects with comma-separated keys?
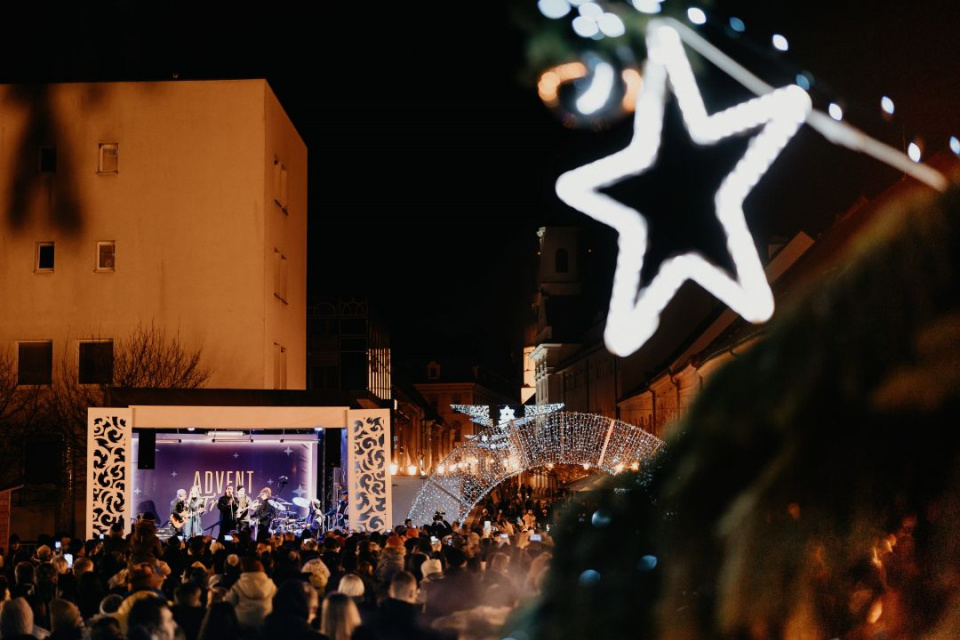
[{"x": 286, "y": 520}]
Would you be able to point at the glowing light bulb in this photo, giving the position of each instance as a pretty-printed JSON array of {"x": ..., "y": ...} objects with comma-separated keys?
[
  {"x": 412, "y": 469},
  {"x": 737, "y": 25},
  {"x": 393, "y": 468},
  {"x": 835, "y": 111},
  {"x": 887, "y": 105},
  {"x": 803, "y": 81},
  {"x": 955, "y": 145},
  {"x": 590, "y": 10},
  {"x": 696, "y": 15},
  {"x": 554, "y": 9},
  {"x": 780, "y": 42},
  {"x": 585, "y": 27},
  {"x": 441, "y": 469},
  {"x": 914, "y": 152},
  {"x": 647, "y": 6},
  {"x": 611, "y": 25}
]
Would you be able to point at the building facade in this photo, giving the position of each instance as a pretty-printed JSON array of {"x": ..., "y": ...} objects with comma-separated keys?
[{"x": 180, "y": 205}]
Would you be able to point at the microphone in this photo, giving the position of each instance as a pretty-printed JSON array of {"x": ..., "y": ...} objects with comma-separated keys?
[{"x": 284, "y": 478}]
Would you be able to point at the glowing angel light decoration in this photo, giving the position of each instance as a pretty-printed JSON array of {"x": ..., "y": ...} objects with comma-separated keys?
[{"x": 634, "y": 312}]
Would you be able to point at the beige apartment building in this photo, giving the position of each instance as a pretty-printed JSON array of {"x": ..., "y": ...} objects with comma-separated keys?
[{"x": 181, "y": 204}]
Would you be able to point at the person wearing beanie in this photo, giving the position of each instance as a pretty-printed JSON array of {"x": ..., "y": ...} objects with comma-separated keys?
[
  {"x": 252, "y": 595},
  {"x": 65, "y": 620},
  {"x": 16, "y": 620},
  {"x": 392, "y": 561}
]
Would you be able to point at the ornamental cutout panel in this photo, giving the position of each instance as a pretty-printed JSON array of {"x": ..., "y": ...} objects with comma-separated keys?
[
  {"x": 108, "y": 468},
  {"x": 368, "y": 482},
  {"x": 503, "y": 450}
]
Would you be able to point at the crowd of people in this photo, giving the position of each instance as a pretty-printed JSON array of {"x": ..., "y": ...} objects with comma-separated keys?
[{"x": 436, "y": 581}]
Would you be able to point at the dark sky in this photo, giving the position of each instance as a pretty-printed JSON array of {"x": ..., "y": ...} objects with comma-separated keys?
[{"x": 433, "y": 163}]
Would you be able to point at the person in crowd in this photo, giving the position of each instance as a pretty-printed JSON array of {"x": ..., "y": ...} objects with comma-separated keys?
[
  {"x": 339, "y": 616},
  {"x": 16, "y": 620},
  {"x": 499, "y": 588},
  {"x": 458, "y": 590},
  {"x": 115, "y": 540},
  {"x": 392, "y": 561},
  {"x": 295, "y": 605},
  {"x": 143, "y": 583},
  {"x": 24, "y": 576},
  {"x": 227, "y": 505},
  {"x": 252, "y": 595},
  {"x": 432, "y": 570},
  {"x": 151, "y": 619},
  {"x": 352, "y": 585},
  {"x": 104, "y": 628},
  {"x": 89, "y": 592},
  {"x": 45, "y": 591},
  {"x": 220, "y": 623},
  {"x": 317, "y": 574},
  {"x": 145, "y": 545},
  {"x": 187, "y": 610},
  {"x": 65, "y": 621},
  {"x": 399, "y": 616}
]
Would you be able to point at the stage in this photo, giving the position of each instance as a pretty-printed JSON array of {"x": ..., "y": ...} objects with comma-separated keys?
[{"x": 215, "y": 446}]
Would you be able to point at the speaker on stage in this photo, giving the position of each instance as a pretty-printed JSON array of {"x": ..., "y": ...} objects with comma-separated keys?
[
  {"x": 147, "y": 451},
  {"x": 331, "y": 447}
]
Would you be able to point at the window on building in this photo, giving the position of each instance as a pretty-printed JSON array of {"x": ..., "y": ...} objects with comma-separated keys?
[
  {"x": 43, "y": 262},
  {"x": 108, "y": 161},
  {"x": 279, "y": 275},
  {"x": 280, "y": 184},
  {"x": 562, "y": 261},
  {"x": 48, "y": 159},
  {"x": 433, "y": 371},
  {"x": 96, "y": 362},
  {"x": 35, "y": 362},
  {"x": 279, "y": 366},
  {"x": 106, "y": 255}
]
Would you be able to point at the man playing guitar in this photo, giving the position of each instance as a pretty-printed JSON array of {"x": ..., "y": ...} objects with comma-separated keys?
[
  {"x": 178, "y": 512},
  {"x": 263, "y": 514}
]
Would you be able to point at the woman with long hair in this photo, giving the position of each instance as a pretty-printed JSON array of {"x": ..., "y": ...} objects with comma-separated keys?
[
  {"x": 339, "y": 616},
  {"x": 220, "y": 623},
  {"x": 195, "y": 508}
]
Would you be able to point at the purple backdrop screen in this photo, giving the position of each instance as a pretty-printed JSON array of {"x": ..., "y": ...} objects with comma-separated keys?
[{"x": 213, "y": 465}]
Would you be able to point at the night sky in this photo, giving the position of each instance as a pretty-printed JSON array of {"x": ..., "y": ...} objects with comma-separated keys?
[{"x": 434, "y": 160}]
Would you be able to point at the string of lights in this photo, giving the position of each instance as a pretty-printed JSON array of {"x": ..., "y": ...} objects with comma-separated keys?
[
  {"x": 476, "y": 467},
  {"x": 598, "y": 95}
]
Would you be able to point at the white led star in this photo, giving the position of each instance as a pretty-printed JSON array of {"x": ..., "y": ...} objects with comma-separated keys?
[
  {"x": 137, "y": 491},
  {"x": 507, "y": 414},
  {"x": 288, "y": 450},
  {"x": 174, "y": 474},
  {"x": 236, "y": 455},
  {"x": 634, "y": 313},
  {"x": 300, "y": 491}
]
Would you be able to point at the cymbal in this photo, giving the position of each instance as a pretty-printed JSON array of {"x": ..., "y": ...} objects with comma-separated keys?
[
  {"x": 280, "y": 500},
  {"x": 301, "y": 502},
  {"x": 279, "y": 506}
]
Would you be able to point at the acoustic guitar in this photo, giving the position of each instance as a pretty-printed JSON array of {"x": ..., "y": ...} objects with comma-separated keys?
[{"x": 179, "y": 519}]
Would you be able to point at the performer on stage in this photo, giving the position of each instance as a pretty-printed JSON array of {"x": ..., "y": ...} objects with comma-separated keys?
[
  {"x": 195, "y": 508},
  {"x": 227, "y": 506},
  {"x": 264, "y": 513},
  {"x": 243, "y": 509},
  {"x": 339, "y": 512},
  {"x": 178, "y": 512}
]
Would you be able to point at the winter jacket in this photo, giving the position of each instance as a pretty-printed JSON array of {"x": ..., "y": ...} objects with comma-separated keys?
[{"x": 252, "y": 597}]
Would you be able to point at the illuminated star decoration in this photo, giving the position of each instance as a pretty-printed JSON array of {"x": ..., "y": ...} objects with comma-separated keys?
[
  {"x": 506, "y": 414},
  {"x": 288, "y": 451},
  {"x": 634, "y": 313},
  {"x": 300, "y": 491}
]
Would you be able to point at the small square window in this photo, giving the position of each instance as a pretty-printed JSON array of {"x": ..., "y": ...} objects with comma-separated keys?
[
  {"x": 109, "y": 158},
  {"x": 48, "y": 159},
  {"x": 96, "y": 363},
  {"x": 280, "y": 184},
  {"x": 34, "y": 363},
  {"x": 44, "y": 258},
  {"x": 106, "y": 256}
]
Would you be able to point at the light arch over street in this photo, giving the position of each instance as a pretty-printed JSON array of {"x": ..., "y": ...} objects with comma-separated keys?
[{"x": 501, "y": 451}]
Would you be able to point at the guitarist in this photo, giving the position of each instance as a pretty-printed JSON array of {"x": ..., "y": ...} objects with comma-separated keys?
[{"x": 178, "y": 512}]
